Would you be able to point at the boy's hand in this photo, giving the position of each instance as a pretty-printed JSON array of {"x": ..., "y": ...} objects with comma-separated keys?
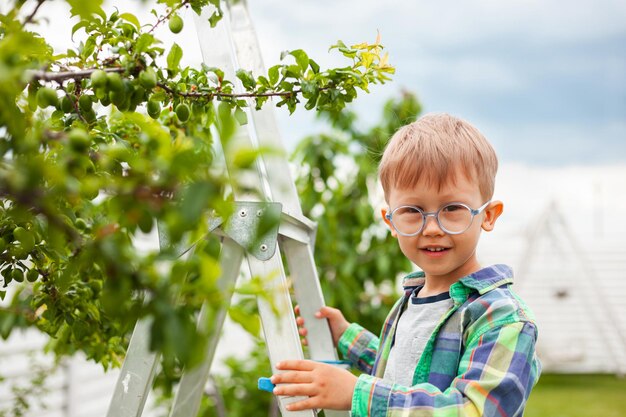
[
  {"x": 338, "y": 324},
  {"x": 326, "y": 386}
]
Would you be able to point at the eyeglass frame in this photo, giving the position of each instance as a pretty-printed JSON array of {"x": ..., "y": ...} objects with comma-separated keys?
[{"x": 435, "y": 214}]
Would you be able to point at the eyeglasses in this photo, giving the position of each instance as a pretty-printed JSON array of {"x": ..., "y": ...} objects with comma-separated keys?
[{"x": 452, "y": 218}]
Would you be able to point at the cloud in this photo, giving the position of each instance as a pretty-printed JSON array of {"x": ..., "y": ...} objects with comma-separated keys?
[
  {"x": 544, "y": 144},
  {"x": 448, "y": 23}
]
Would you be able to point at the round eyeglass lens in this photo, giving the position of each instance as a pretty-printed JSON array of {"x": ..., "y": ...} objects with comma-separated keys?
[
  {"x": 407, "y": 220},
  {"x": 455, "y": 218}
]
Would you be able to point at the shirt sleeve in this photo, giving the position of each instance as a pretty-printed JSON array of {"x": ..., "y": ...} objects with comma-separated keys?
[
  {"x": 496, "y": 373},
  {"x": 359, "y": 346}
]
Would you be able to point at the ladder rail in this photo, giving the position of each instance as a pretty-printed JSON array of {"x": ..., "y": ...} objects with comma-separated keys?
[
  {"x": 191, "y": 386},
  {"x": 139, "y": 368},
  {"x": 137, "y": 374},
  {"x": 282, "y": 186}
]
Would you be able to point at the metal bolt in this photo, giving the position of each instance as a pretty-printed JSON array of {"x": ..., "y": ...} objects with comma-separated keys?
[
  {"x": 243, "y": 213},
  {"x": 263, "y": 247},
  {"x": 259, "y": 213}
]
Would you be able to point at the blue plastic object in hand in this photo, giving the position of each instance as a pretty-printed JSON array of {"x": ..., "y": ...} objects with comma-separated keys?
[{"x": 265, "y": 384}]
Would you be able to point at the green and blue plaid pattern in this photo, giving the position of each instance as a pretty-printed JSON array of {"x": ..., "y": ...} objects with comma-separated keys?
[{"x": 479, "y": 361}]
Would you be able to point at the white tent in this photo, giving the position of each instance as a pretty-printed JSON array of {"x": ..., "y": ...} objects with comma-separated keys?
[{"x": 578, "y": 293}]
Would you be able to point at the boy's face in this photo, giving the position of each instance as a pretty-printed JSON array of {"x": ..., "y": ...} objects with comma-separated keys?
[{"x": 443, "y": 257}]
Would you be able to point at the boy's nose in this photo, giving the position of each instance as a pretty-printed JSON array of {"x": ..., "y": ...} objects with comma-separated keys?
[{"x": 431, "y": 227}]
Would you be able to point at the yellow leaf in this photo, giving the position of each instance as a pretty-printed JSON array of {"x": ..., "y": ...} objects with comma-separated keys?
[
  {"x": 363, "y": 45},
  {"x": 384, "y": 61},
  {"x": 367, "y": 58}
]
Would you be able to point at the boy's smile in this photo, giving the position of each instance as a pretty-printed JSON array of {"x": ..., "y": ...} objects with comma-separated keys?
[
  {"x": 444, "y": 258},
  {"x": 434, "y": 251}
]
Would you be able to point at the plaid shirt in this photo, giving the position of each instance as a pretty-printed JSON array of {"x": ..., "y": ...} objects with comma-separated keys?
[{"x": 479, "y": 361}]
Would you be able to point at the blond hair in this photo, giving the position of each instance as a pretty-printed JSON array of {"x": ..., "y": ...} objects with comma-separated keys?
[{"x": 434, "y": 148}]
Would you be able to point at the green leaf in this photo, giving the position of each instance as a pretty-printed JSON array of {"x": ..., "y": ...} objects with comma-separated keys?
[
  {"x": 272, "y": 73},
  {"x": 174, "y": 57},
  {"x": 314, "y": 66},
  {"x": 195, "y": 200},
  {"x": 143, "y": 42},
  {"x": 293, "y": 71},
  {"x": 310, "y": 105},
  {"x": 168, "y": 3},
  {"x": 241, "y": 116},
  {"x": 159, "y": 96},
  {"x": 217, "y": 13},
  {"x": 79, "y": 25},
  {"x": 131, "y": 18},
  {"x": 225, "y": 119},
  {"x": 347, "y": 52},
  {"x": 215, "y": 17},
  {"x": 245, "y": 157},
  {"x": 250, "y": 323},
  {"x": 88, "y": 48},
  {"x": 309, "y": 88},
  {"x": 259, "y": 101},
  {"x": 218, "y": 73},
  {"x": 291, "y": 105},
  {"x": 247, "y": 79},
  {"x": 339, "y": 44},
  {"x": 86, "y": 9},
  {"x": 301, "y": 58}
]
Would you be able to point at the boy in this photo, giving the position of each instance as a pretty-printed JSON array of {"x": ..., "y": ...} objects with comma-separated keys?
[{"x": 458, "y": 342}]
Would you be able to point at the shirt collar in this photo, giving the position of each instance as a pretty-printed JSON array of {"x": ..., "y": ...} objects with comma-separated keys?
[{"x": 483, "y": 280}]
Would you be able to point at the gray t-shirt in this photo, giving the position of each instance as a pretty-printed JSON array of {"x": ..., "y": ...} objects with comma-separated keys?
[{"x": 415, "y": 327}]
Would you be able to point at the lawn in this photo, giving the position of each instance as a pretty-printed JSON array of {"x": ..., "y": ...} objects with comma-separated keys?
[{"x": 578, "y": 396}]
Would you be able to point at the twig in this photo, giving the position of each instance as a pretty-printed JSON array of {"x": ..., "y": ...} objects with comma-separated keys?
[
  {"x": 77, "y": 109},
  {"x": 20, "y": 311},
  {"x": 30, "y": 18},
  {"x": 235, "y": 95},
  {"x": 167, "y": 16}
]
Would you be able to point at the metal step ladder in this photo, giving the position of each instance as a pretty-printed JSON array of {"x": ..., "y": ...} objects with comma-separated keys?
[{"x": 230, "y": 45}]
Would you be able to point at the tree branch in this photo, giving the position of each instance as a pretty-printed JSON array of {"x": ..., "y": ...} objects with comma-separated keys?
[
  {"x": 79, "y": 75},
  {"x": 67, "y": 75},
  {"x": 30, "y": 200},
  {"x": 30, "y": 18}
]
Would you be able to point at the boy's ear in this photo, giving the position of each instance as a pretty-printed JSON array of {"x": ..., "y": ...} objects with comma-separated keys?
[
  {"x": 492, "y": 212},
  {"x": 383, "y": 212}
]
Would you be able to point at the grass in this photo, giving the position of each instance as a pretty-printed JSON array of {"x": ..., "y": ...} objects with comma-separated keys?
[{"x": 578, "y": 396}]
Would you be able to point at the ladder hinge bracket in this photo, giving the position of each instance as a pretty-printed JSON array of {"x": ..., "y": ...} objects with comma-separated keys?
[{"x": 254, "y": 226}]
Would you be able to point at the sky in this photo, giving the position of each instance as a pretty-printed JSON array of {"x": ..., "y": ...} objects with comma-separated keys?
[{"x": 545, "y": 81}]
